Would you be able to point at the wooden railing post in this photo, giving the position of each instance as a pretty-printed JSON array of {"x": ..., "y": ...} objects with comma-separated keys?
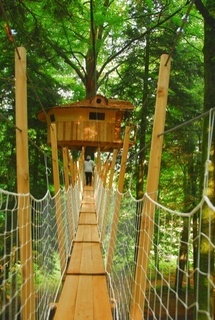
[
  {"x": 110, "y": 183},
  {"x": 60, "y": 227},
  {"x": 68, "y": 194},
  {"x": 100, "y": 207},
  {"x": 66, "y": 167},
  {"x": 147, "y": 221},
  {"x": 23, "y": 189}
]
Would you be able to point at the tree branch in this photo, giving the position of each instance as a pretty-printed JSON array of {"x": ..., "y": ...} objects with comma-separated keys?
[
  {"x": 205, "y": 13},
  {"x": 63, "y": 55},
  {"x": 112, "y": 57}
]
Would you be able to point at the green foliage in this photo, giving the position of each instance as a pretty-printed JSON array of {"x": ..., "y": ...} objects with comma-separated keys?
[{"x": 120, "y": 49}]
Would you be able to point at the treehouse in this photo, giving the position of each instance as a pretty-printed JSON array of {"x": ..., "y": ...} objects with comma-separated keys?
[{"x": 93, "y": 123}]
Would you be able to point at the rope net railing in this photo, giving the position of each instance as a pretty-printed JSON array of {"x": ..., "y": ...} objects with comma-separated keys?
[
  {"x": 51, "y": 239},
  {"x": 178, "y": 281},
  {"x": 175, "y": 270}
]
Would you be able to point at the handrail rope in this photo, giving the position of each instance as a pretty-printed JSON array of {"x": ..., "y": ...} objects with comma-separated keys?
[
  {"x": 33, "y": 143},
  {"x": 187, "y": 122},
  {"x": 180, "y": 30},
  {"x": 37, "y": 96},
  {"x": 27, "y": 75},
  {"x": 172, "y": 129},
  {"x": 20, "y": 130},
  {"x": 95, "y": 58},
  {"x": 6, "y": 79},
  {"x": 47, "y": 171},
  {"x": 12, "y": 38},
  {"x": 210, "y": 139},
  {"x": 8, "y": 29},
  {"x": 184, "y": 21},
  {"x": 10, "y": 123},
  {"x": 17, "y": 50}
]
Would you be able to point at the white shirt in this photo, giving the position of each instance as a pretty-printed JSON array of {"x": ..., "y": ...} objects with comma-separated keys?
[{"x": 88, "y": 165}]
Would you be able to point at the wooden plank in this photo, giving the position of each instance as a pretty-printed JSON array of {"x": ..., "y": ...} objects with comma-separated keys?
[
  {"x": 84, "y": 297},
  {"x": 87, "y": 218},
  {"x": 88, "y": 189},
  {"x": 88, "y": 196},
  {"x": 102, "y": 307},
  {"x": 66, "y": 306},
  {"x": 84, "y": 302},
  {"x": 87, "y": 233},
  {"x": 68, "y": 129},
  {"x": 86, "y": 258},
  {"x": 88, "y": 207}
]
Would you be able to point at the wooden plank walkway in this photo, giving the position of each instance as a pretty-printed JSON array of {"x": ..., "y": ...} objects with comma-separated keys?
[{"x": 84, "y": 294}]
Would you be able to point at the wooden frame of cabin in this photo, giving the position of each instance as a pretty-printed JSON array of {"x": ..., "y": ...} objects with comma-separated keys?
[{"x": 92, "y": 123}]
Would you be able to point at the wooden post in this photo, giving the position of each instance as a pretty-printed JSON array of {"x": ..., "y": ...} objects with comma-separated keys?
[
  {"x": 66, "y": 167},
  {"x": 98, "y": 166},
  {"x": 81, "y": 175},
  {"x": 24, "y": 212},
  {"x": 105, "y": 172},
  {"x": 72, "y": 171},
  {"x": 68, "y": 194},
  {"x": 60, "y": 231},
  {"x": 101, "y": 204},
  {"x": 115, "y": 221},
  {"x": 110, "y": 183},
  {"x": 147, "y": 223}
]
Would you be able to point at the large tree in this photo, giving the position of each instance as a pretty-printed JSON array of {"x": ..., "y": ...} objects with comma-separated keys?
[
  {"x": 205, "y": 296},
  {"x": 83, "y": 41}
]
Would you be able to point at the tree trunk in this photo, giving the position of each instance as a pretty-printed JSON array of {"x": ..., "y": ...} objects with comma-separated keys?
[
  {"x": 91, "y": 60},
  {"x": 143, "y": 115},
  {"x": 205, "y": 291},
  {"x": 91, "y": 77},
  {"x": 141, "y": 159},
  {"x": 183, "y": 256}
]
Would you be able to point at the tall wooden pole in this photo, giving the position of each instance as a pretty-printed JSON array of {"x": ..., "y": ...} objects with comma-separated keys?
[
  {"x": 68, "y": 194},
  {"x": 23, "y": 189},
  {"x": 60, "y": 230},
  {"x": 147, "y": 223},
  {"x": 66, "y": 167},
  {"x": 115, "y": 221},
  {"x": 110, "y": 183}
]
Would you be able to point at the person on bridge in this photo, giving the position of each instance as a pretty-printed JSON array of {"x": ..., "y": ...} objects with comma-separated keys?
[{"x": 88, "y": 169}]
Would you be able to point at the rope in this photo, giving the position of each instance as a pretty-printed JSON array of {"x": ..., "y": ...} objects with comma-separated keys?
[
  {"x": 179, "y": 31},
  {"x": 10, "y": 123},
  {"x": 8, "y": 29},
  {"x": 187, "y": 122},
  {"x": 47, "y": 171},
  {"x": 29, "y": 139},
  {"x": 11, "y": 37},
  {"x": 38, "y": 98},
  {"x": 210, "y": 139}
]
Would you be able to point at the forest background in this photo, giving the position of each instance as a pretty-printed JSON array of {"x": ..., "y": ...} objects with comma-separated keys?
[{"x": 78, "y": 48}]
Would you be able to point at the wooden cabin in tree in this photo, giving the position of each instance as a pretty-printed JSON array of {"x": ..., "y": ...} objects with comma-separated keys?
[{"x": 94, "y": 123}]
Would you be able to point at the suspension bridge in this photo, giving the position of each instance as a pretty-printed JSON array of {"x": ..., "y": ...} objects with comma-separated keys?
[{"x": 94, "y": 252}]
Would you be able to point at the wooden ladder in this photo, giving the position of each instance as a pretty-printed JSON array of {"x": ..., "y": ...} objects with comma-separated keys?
[{"x": 84, "y": 294}]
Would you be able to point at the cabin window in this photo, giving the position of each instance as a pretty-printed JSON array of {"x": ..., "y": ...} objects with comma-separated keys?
[{"x": 97, "y": 116}]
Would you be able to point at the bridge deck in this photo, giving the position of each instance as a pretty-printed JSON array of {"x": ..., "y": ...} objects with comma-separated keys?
[{"x": 84, "y": 294}]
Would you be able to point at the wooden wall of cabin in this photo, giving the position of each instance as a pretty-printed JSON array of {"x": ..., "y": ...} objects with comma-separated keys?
[{"x": 80, "y": 125}]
